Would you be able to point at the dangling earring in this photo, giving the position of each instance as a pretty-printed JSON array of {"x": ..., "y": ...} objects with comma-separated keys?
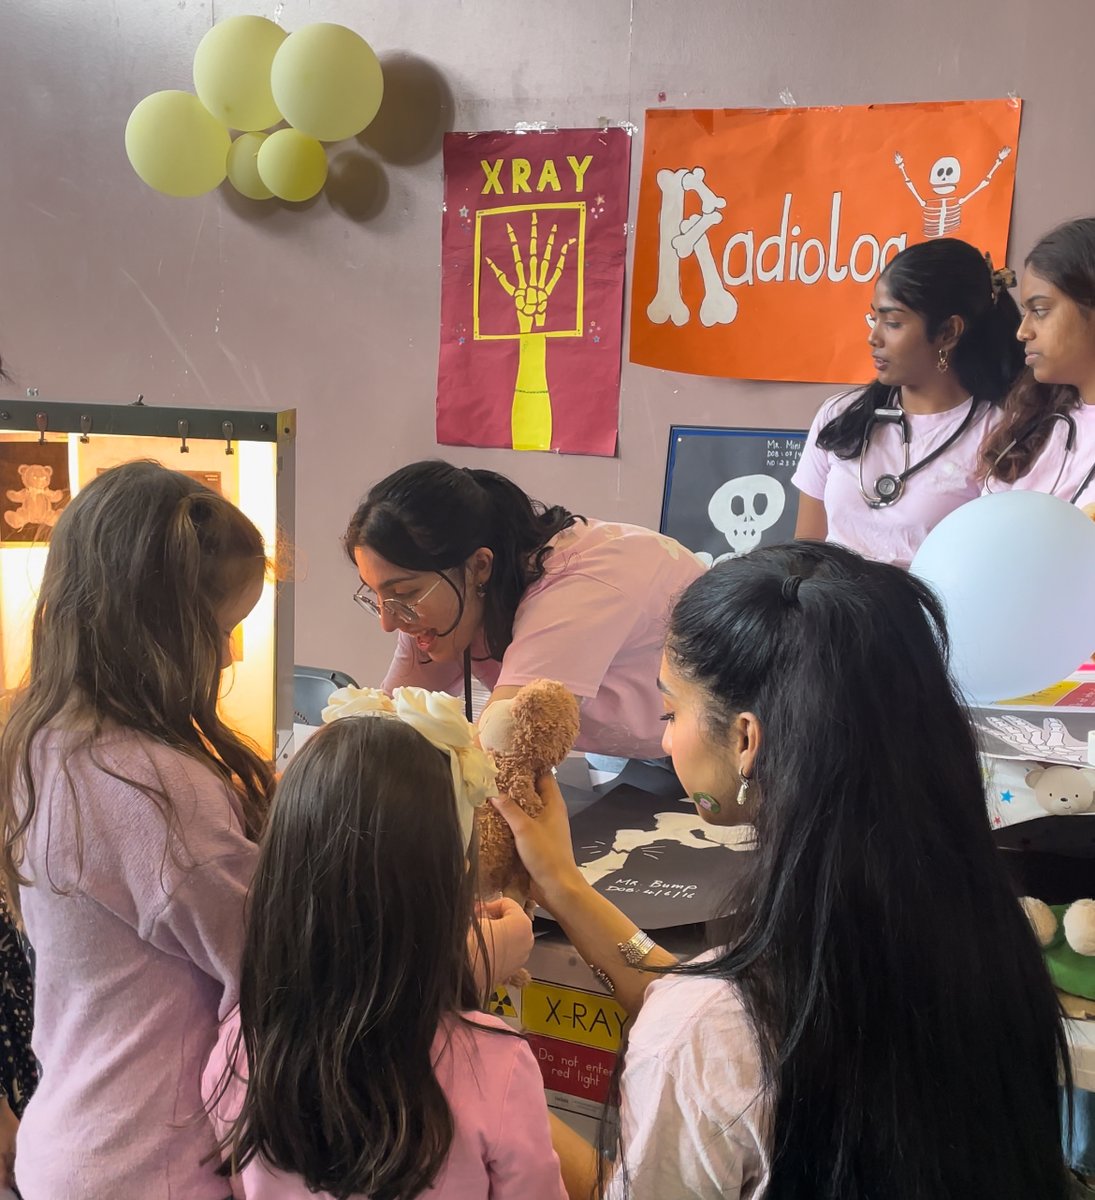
[
  {"x": 942, "y": 366},
  {"x": 480, "y": 590},
  {"x": 743, "y": 791}
]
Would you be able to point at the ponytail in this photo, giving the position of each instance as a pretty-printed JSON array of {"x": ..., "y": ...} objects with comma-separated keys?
[
  {"x": 989, "y": 357},
  {"x": 432, "y": 516}
]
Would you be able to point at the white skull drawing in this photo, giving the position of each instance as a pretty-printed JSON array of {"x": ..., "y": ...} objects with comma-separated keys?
[
  {"x": 742, "y": 509},
  {"x": 945, "y": 174}
]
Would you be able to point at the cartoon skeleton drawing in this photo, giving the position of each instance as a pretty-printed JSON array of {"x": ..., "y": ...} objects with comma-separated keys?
[
  {"x": 681, "y": 237},
  {"x": 943, "y": 216},
  {"x": 741, "y": 510}
]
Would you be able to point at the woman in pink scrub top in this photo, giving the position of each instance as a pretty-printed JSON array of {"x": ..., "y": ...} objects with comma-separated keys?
[
  {"x": 1046, "y": 440},
  {"x": 477, "y": 578},
  {"x": 884, "y": 465}
]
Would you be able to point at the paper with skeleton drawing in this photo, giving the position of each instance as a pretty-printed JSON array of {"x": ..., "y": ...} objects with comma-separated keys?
[
  {"x": 728, "y": 491},
  {"x": 761, "y": 233},
  {"x": 656, "y": 859},
  {"x": 533, "y": 248}
]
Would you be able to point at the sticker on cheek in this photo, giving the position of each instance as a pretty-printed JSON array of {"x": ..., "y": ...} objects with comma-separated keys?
[{"x": 706, "y": 801}]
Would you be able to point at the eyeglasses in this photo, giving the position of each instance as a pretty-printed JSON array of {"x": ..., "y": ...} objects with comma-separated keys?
[{"x": 396, "y": 609}]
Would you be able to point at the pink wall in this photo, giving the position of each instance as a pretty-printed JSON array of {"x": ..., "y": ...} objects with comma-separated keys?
[{"x": 109, "y": 289}]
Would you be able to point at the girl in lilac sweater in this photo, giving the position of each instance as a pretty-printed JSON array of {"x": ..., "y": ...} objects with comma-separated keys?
[
  {"x": 130, "y": 815},
  {"x": 359, "y": 1063}
]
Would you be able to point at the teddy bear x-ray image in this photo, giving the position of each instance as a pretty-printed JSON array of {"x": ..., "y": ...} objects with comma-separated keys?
[{"x": 36, "y": 502}]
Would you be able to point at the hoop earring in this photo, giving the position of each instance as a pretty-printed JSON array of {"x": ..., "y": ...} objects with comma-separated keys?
[
  {"x": 942, "y": 366},
  {"x": 743, "y": 791}
]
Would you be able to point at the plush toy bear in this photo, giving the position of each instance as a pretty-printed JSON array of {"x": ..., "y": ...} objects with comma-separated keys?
[
  {"x": 1063, "y": 790},
  {"x": 527, "y": 736},
  {"x": 1067, "y": 935}
]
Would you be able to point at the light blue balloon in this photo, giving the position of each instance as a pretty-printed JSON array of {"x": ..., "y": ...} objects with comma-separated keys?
[{"x": 1016, "y": 574}]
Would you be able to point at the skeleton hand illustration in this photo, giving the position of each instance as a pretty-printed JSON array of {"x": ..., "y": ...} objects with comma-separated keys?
[
  {"x": 530, "y": 420},
  {"x": 1052, "y": 740}
]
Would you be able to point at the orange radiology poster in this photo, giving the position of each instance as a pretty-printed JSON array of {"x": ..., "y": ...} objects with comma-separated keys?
[{"x": 761, "y": 232}]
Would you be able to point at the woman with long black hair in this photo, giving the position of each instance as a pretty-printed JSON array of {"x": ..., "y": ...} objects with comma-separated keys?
[
  {"x": 1046, "y": 440},
  {"x": 886, "y": 463},
  {"x": 875, "y": 1021}
]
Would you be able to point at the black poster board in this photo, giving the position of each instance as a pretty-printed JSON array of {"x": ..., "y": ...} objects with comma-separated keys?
[{"x": 728, "y": 491}]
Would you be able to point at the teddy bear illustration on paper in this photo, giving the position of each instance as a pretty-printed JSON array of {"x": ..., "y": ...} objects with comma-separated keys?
[
  {"x": 36, "y": 500},
  {"x": 1062, "y": 790}
]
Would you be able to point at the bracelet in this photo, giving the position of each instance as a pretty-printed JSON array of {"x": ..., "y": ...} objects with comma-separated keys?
[
  {"x": 603, "y": 979},
  {"x": 636, "y": 948}
]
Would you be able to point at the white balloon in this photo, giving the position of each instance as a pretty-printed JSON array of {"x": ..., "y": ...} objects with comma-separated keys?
[{"x": 1016, "y": 574}]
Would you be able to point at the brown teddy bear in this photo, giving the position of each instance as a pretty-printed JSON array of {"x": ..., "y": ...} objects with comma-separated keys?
[{"x": 527, "y": 736}]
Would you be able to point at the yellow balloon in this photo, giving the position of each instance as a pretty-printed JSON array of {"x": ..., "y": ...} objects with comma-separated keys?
[
  {"x": 175, "y": 145},
  {"x": 292, "y": 165},
  {"x": 327, "y": 81},
  {"x": 232, "y": 71},
  {"x": 243, "y": 167}
]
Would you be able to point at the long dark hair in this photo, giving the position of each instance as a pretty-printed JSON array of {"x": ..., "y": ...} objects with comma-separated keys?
[
  {"x": 432, "y": 516},
  {"x": 939, "y": 279},
  {"x": 126, "y": 630},
  {"x": 1065, "y": 257},
  {"x": 356, "y": 947},
  {"x": 910, "y": 1037}
]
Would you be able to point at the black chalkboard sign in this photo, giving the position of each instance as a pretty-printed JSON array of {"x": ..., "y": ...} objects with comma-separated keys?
[{"x": 728, "y": 491}]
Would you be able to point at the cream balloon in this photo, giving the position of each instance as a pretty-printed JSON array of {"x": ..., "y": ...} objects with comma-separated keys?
[
  {"x": 176, "y": 145},
  {"x": 243, "y": 167},
  {"x": 232, "y": 71},
  {"x": 327, "y": 81},
  {"x": 292, "y": 165}
]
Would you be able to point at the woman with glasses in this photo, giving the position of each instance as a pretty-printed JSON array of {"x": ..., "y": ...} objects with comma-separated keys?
[
  {"x": 883, "y": 465},
  {"x": 478, "y": 579},
  {"x": 1046, "y": 441}
]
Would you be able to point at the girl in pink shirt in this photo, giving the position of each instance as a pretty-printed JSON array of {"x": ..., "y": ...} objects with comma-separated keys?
[
  {"x": 1046, "y": 441},
  {"x": 130, "y": 812},
  {"x": 359, "y": 1062},
  {"x": 477, "y": 578},
  {"x": 882, "y": 466}
]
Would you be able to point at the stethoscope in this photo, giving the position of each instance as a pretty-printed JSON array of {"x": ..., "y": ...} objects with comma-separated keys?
[
  {"x": 889, "y": 488},
  {"x": 1070, "y": 445}
]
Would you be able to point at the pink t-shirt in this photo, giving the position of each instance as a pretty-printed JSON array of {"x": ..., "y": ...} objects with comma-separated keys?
[
  {"x": 894, "y": 534},
  {"x": 694, "y": 1118},
  {"x": 134, "y": 967},
  {"x": 501, "y": 1147},
  {"x": 1055, "y": 459},
  {"x": 595, "y": 622}
]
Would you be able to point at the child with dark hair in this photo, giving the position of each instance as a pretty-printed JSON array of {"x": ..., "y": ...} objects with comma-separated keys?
[{"x": 360, "y": 1062}]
